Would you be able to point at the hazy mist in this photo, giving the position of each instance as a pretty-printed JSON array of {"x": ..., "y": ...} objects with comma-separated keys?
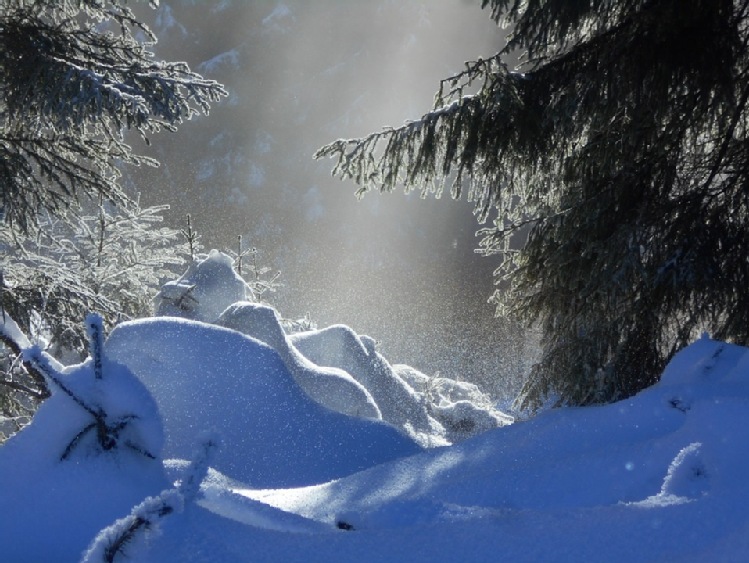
[{"x": 302, "y": 74}]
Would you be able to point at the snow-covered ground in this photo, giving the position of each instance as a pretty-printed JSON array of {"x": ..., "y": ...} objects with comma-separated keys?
[{"x": 661, "y": 476}]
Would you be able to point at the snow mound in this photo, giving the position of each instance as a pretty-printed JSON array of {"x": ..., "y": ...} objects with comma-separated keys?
[
  {"x": 659, "y": 476},
  {"x": 208, "y": 377},
  {"x": 209, "y": 286},
  {"x": 331, "y": 387},
  {"x": 336, "y": 367},
  {"x": 649, "y": 478},
  {"x": 340, "y": 347},
  {"x": 59, "y": 487}
]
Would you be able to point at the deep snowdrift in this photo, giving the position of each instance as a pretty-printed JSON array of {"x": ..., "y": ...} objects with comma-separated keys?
[
  {"x": 660, "y": 476},
  {"x": 336, "y": 367},
  {"x": 207, "y": 377}
]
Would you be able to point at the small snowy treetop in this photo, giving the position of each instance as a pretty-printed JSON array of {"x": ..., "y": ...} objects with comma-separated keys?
[{"x": 205, "y": 290}]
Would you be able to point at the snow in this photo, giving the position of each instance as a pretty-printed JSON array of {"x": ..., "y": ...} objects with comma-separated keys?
[
  {"x": 278, "y": 476},
  {"x": 202, "y": 293},
  {"x": 208, "y": 377},
  {"x": 9, "y": 329},
  {"x": 331, "y": 387},
  {"x": 336, "y": 367},
  {"x": 51, "y": 509}
]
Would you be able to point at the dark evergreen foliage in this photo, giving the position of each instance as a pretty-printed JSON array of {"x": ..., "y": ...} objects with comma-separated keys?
[
  {"x": 74, "y": 76},
  {"x": 619, "y": 147}
]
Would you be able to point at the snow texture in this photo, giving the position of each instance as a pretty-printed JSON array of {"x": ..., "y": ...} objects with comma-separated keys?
[
  {"x": 458, "y": 406},
  {"x": 209, "y": 286},
  {"x": 331, "y": 387},
  {"x": 660, "y": 476},
  {"x": 208, "y": 377},
  {"x": 336, "y": 367},
  {"x": 52, "y": 508}
]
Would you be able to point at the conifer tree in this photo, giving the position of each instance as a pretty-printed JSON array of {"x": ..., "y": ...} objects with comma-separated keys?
[
  {"x": 616, "y": 159},
  {"x": 75, "y": 77},
  {"x": 111, "y": 261}
]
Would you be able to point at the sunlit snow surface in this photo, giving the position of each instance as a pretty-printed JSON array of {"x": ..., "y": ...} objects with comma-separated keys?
[
  {"x": 659, "y": 477},
  {"x": 273, "y": 433},
  {"x": 335, "y": 367}
]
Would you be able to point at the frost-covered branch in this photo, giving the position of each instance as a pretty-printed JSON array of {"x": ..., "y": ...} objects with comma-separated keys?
[
  {"x": 110, "y": 262},
  {"x": 95, "y": 330},
  {"x": 467, "y": 139},
  {"x": 209, "y": 442},
  {"x": 123, "y": 538},
  {"x": 76, "y": 75},
  {"x": 41, "y": 364},
  {"x": 114, "y": 541},
  {"x": 14, "y": 339}
]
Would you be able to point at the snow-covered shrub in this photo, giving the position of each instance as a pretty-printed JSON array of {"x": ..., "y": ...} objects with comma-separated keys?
[
  {"x": 110, "y": 261},
  {"x": 209, "y": 286},
  {"x": 126, "y": 536},
  {"x": 91, "y": 452},
  {"x": 110, "y": 410},
  {"x": 258, "y": 277}
]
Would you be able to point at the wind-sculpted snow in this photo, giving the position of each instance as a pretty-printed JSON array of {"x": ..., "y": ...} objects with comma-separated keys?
[
  {"x": 341, "y": 347},
  {"x": 460, "y": 407},
  {"x": 274, "y": 435},
  {"x": 658, "y": 477},
  {"x": 334, "y": 366},
  {"x": 331, "y": 387}
]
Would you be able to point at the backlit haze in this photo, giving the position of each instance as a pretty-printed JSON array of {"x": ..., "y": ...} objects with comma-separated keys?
[{"x": 301, "y": 74}]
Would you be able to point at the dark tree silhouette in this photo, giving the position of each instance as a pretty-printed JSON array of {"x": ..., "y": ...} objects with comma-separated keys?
[{"x": 616, "y": 156}]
